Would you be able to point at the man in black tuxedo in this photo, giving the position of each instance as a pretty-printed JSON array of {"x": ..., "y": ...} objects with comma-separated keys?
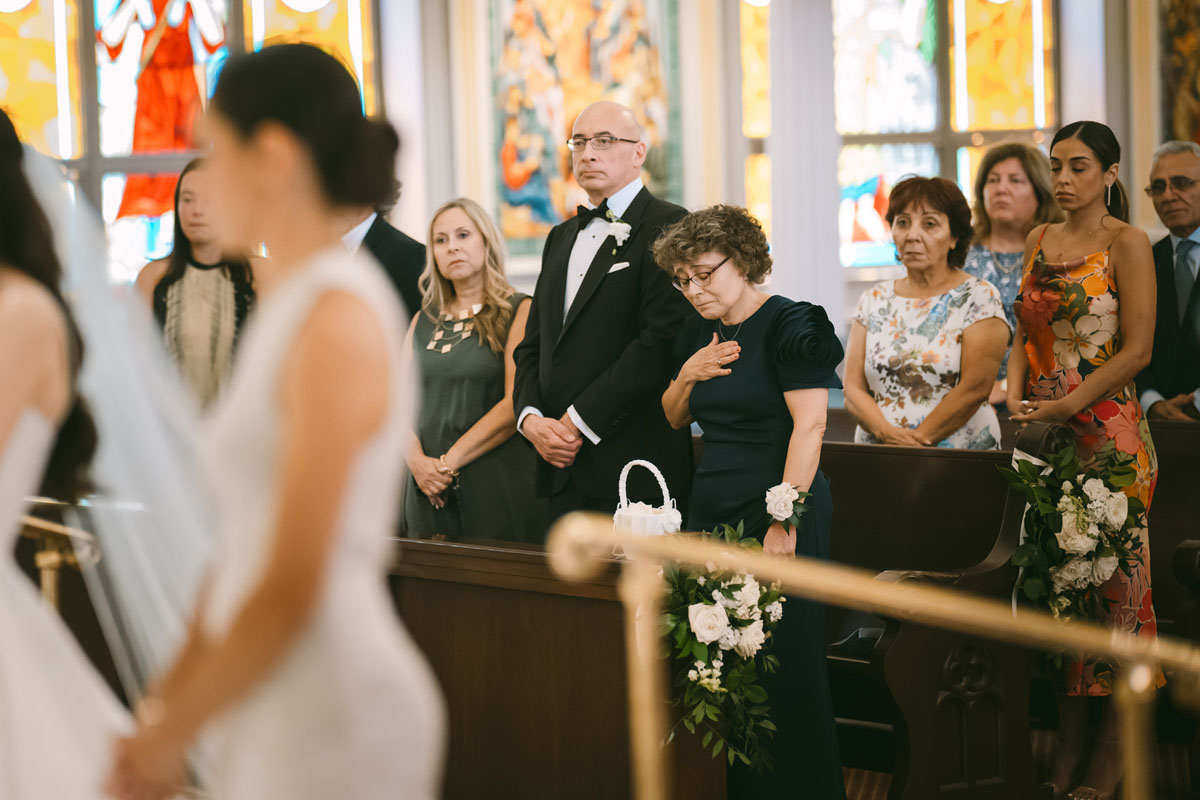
[
  {"x": 597, "y": 353},
  {"x": 402, "y": 257},
  {"x": 1168, "y": 387}
]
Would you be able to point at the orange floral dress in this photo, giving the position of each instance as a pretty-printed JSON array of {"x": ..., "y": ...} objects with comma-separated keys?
[{"x": 1070, "y": 315}]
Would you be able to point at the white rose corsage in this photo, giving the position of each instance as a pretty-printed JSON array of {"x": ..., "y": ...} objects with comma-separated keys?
[
  {"x": 618, "y": 230},
  {"x": 785, "y": 504}
]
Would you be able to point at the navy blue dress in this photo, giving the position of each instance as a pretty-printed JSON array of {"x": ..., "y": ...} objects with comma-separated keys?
[{"x": 747, "y": 426}]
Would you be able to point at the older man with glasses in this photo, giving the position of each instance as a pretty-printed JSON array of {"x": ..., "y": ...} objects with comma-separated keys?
[
  {"x": 1168, "y": 387},
  {"x": 597, "y": 350}
]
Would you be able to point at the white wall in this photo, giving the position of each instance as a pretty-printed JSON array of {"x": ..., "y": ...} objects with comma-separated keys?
[{"x": 404, "y": 101}]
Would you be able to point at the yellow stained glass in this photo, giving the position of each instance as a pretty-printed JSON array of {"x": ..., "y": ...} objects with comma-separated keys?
[
  {"x": 756, "y": 71},
  {"x": 39, "y": 74},
  {"x": 1001, "y": 64},
  {"x": 341, "y": 27},
  {"x": 758, "y": 189}
]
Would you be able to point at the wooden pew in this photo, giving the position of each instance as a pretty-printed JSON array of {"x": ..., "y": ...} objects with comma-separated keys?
[
  {"x": 946, "y": 714},
  {"x": 533, "y": 670}
]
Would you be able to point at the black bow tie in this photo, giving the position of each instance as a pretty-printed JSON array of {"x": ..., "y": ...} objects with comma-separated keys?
[{"x": 586, "y": 215}]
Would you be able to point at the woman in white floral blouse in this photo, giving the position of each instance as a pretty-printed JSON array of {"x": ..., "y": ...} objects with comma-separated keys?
[{"x": 925, "y": 349}]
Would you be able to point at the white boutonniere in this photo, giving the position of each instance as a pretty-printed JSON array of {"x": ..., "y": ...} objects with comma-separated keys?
[{"x": 617, "y": 229}]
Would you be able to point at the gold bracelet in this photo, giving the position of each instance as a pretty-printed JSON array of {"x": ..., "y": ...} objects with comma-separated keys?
[{"x": 453, "y": 473}]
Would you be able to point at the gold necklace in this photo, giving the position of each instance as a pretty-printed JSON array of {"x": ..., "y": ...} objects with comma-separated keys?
[{"x": 453, "y": 329}]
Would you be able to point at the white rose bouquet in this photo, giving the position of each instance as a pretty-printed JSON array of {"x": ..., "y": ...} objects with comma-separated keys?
[
  {"x": 1080, "y": 528},
  {"x": 719, "y": 625}
]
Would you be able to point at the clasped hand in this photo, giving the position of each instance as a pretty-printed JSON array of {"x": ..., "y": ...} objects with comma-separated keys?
[
  {"x": 1038, "y": 411},
  {"x": 710, "y": 361},
  {"x": 430, "y": 478},
  {"x": 557, "y": 441}
]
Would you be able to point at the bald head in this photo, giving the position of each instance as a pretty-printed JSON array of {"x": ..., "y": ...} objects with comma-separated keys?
[
  {"x": 604, "y": 172},
  {"x": 617, "y": 118}
]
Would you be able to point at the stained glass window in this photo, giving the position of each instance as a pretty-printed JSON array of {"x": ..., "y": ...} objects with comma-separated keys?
[
  {"x": 758, "y": 189},
  {"x": 39, "y": 73},
  {"x": 157, "y": 62},
  {"x": 885, "y": 73},
  {"x": 1001, "y": 64},
  {"x": 995, "y": 60},
  {"x": 866, "y": 174},
  {"x": 342, "y": 27},
  {"x": 134, "y": 239},
  {"x": 756, "y": 71}
]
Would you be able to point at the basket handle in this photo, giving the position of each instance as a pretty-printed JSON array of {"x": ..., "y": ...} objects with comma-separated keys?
[{"x": 662, "y": 482}]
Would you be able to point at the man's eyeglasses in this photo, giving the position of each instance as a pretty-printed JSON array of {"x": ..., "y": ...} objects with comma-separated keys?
[
  {"x": 701, "y": 279},
  {"x": 1180, "y": 183},
  {"x": 576, "y": 144}
]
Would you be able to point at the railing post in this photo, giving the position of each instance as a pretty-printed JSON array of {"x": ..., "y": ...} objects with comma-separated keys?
[
  {"x": 641, "y": 590},
  {"x": 1135, "y": 699}
]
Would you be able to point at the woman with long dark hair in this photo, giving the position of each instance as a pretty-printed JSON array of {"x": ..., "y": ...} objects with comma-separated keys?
[
  {"x": 200, "y": 295},
  {"x": 47, "y": 440},
  {"x": 296, "y": 664},
  {"x": 1085, "y": 328}
]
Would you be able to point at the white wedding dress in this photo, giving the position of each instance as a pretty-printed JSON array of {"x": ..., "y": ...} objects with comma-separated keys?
[
  {"x": 352, "y": 711},
  {"x": 58, "y": 719}
]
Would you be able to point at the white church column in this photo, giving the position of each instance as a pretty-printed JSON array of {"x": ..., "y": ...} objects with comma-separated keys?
[{"x": 804, "y": 147}]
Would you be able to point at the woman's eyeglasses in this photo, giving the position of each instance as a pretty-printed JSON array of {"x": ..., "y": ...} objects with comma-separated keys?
[{"x": 701, "y": 279}]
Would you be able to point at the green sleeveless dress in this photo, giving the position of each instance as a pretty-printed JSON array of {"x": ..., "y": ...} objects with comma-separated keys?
[{"x": 494, "y": 497}]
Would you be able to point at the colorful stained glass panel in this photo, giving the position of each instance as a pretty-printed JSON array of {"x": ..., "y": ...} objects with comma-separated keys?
[
  {"x": 157, "y": 62},
  {"x": 342, "y": 27},
  {"x": 866, "y": 174},
  {"x": 134, "y": 240},
  {"x": 758, "y": 189},
  {"x": 884, "y": 58},
  {"x": 1001, "y": 64},
  {"x": 39, "y": 73},
  {"x": 756, "y": 71}
]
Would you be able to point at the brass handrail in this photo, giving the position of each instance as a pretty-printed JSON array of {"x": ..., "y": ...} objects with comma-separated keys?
[
  {"x": 59, "y": 546},
  {"x": 580, "y": 543}
]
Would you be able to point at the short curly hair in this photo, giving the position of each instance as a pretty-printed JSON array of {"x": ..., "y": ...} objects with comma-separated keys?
[
  {"x": 940, "y": 195},
  {"x": 729, "y": 230}
]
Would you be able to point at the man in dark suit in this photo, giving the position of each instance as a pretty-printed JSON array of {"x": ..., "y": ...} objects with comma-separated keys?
[
  {"x": 1168, "y": 387},
  {"x": 402, "y": 257},
  {"x": 597, "y": 353}
]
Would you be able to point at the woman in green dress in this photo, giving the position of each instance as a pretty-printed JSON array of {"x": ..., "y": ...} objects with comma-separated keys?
[{"x": 472, "y": 478}]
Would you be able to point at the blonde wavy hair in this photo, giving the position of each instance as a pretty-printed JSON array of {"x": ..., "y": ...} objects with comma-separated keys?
[{"x": 493, "y": 320}]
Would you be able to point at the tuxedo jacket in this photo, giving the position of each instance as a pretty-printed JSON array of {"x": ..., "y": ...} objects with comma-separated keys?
[
  {"x": 402, "y": 257},
  {"x": 1175, "y": 363},
  {"x": 610, "y": 355}
]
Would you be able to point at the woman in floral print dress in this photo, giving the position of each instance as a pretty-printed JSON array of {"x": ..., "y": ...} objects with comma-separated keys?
[{"x": 1085, "y": 315}]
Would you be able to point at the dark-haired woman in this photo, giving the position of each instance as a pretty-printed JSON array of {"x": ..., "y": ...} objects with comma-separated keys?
[
  {"x": 199, "y": 296},
  {"x": 46, "y": 443},
  {"x": 925, "y": 349},
  {"x": 297, "y": 664},
  {"x": 755, "y": 371},
  {"x": 1085, "y": 323}
]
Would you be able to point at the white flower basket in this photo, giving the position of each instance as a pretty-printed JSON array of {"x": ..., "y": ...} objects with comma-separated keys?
[{"x": 643, "y": 519}]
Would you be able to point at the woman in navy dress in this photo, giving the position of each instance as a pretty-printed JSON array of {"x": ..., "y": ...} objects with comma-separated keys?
[{"x": 755, "y": 372}]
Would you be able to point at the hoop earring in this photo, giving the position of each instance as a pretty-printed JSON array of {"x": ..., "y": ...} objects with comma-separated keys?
[{"x": 1108, "y": 196}]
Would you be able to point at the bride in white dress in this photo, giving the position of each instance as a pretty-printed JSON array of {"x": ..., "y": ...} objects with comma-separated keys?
[
  {"x": 297, "y": 668},
  {"x": 55, "y": 712}
]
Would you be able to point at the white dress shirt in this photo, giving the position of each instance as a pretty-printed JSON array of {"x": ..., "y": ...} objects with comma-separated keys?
[
  {"x": 354, "y": 239},
  {"x": 587, "y": 245},
  {"x": 1152, "y": 396}
]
